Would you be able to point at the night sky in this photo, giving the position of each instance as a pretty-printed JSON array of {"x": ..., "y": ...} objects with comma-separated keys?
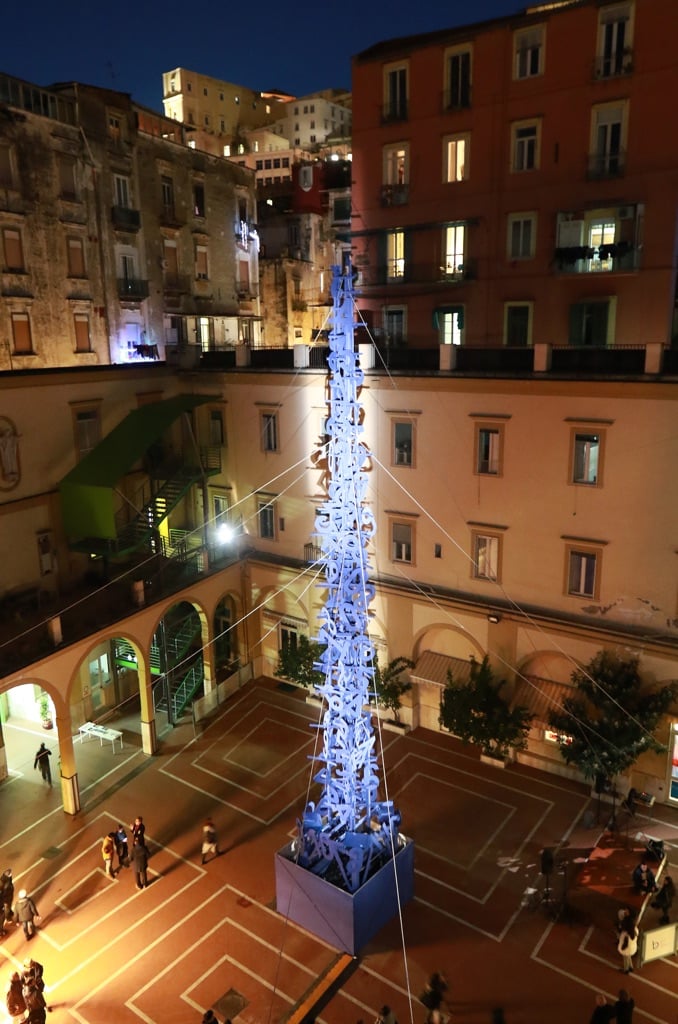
[{"x": 298, "y": 48}]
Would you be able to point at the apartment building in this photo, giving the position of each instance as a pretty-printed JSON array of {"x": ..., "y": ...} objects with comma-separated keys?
[
  {"x": 109, "y": 247},
  {"x": 512, "y": 180},
  {"x": 309, "y": 121}
]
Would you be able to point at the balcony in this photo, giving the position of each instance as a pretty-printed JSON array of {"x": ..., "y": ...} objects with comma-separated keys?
[
  {"x": 618, "y": 257},
  {"x": 176, "y": 284},
  {"x": 606, "y": 165},
  {"x": 394, "y": 112},
  {"x": 132, "y": 288},
  {"x": 613, "y": 65},
  {"x": 395, "y": 195},
  {"x": 401, "y": 272},
  {"x": 458, "y": 99},
  {"x": 169, "y": 217},
  {"x": 125, "y": 219}
]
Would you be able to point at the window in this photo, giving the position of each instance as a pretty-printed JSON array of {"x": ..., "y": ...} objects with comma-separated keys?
[
  {"x": 122, "y": 192},
  {"x": 525, "y": 146},
  {"x": 396, "y": 164},
  {"x": 227, "y": 150},
  {"x": 402, "y": 536},
  {"x": 6, "y": 172},
  {"x": 583, "y": 569},
  {"x": 289, "y": 636},
  {"x": 395, "y": 255},
  {"x": 403, "y": 442},
  {"x": 13, "y": 261},
  {"x": 592, "y": 323},
  {"x": 601, "y": 238},
  {"x": 201, "y": 263},
  {"x": 489, "y": 449},
  {"x": 171, "y": 258},
  {"x": 395, "y": 93},
  {"x": 67, "y": 180},
  {"x": 586, "y": 457},
  {"x": 266, "y": 517},
  {"x": 87, "y": 428},
  {"x": 454, "y": 245},
  {"x": 204, "y": 332},
  {"x": 458, "y": 79},
  {"x": 486, "y": 552},
  {"x": 607, "y": 140},
  {"x": 75, "y": 254},
  {"x": 82, "y": 335},
  {"x": 216, "y": 428},
  {"x": 394, "y": 324},
  {"x": 21, "y": 334},
  {"x": 220, "y": 509},
  {"x": 528, "y": 46},
  {"x": 518, "y": 324},
  {"x": 114, "y": 126},
  {"x": 614, "y": 40},
  {"x": 522, "y": 230},
  {"x": 449, "y": 321},
  {"x": 456, "y": 150},
  {"x": 269, "y": 431},
  {"x": 199, "y": 200},
  {"x": 167, "y": 193}
]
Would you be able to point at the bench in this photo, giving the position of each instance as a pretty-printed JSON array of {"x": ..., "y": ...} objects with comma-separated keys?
[{"x": 100, "y": 731}]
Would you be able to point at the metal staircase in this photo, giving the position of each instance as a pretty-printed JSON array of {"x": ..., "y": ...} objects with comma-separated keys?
[
  {"x": 142, "y": 529},
  {"x": 183, "y": 675}
]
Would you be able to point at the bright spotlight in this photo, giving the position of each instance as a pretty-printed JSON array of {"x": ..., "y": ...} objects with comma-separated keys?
[{"x": 225, "y": 533}]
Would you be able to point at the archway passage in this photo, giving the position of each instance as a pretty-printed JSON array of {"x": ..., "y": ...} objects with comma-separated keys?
[
  {"x": 176, "y": 661},
  {"x": 226, "y": 657}
]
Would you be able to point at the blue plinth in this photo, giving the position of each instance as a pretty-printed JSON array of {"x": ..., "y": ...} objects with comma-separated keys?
[{"x": 347, "y": 921}]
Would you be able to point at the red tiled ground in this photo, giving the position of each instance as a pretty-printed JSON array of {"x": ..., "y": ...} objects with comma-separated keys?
[{"x": 210, "y": 936}]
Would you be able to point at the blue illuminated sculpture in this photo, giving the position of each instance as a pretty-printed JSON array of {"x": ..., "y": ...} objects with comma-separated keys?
[{"x": 349, "y": 869}]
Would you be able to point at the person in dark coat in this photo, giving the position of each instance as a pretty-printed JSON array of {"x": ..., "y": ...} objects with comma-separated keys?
[
  {"x": 603, "y": 1011},
  {"x": 25, "y": 912},
  {"x": 623, "y": 1008},
  {"x": 643, "y": 878},
  {"x": 14, "y": 999},
  {"x": 140, "y": 861},
  {"x": 664, "y": 899},
  {"x": 121, "y": 845},
  {"x": 42, "y": 762},
  {"x": 138, "y": 831},
  {"x": 6, "y": 899}
]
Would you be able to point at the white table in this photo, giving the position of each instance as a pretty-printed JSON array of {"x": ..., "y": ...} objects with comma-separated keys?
[{"x": 102, "y": 732}]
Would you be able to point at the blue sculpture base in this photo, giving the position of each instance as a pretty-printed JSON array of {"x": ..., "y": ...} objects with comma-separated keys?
[{"x": 347, "y": 921}]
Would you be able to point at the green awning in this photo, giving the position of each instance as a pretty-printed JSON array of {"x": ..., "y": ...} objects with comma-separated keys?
[{"x": 87, "y": 492}]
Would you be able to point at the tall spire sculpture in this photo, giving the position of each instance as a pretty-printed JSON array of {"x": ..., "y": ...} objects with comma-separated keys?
[{"x": 348, "y": 836}]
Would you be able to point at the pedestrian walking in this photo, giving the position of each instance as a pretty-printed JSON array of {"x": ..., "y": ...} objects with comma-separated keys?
[
  {"x": 14, "y": 997},
  {"x": 121, "y": 846},
  {"x": 386, "y": 1016},
  {"x": 210, "y": 841},
  {"x": 434, "y": 995},
  {"x": 603, "y": 1012},
  {"x": 628, "y": 946},
  {"x": 6, "y": 899},
  {"x": 42, "y": 762},
  {"x": 26, "y": 913},
  {"x": 33, "y": 978},
  {"x": 140, "y": 861},
  {"x": 623, "y": 1008},
  {"x": 107, "y": 851},
  {"x": 138, "y": 831},
  {"x": 664, "y": 899}
]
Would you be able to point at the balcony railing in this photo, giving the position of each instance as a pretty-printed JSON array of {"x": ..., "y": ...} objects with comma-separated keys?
[
  {"x": 400, "y": 272},
  {"x": 618, "y": 257},
  {"x": 392, "y": 112},
  {"x": 125, "y": 219},
  {"x": 395, "y": 195},
  {"x": 459, "y": 99},
  {"x": 606, "y": 165},
  {"x": 614, "y": 64},
  {"x": 132, "y": 288}
]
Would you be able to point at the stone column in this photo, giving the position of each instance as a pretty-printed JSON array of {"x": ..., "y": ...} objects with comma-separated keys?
[
  {"x": 149, "y": 740},
  {"x": 70, "y": 789}
]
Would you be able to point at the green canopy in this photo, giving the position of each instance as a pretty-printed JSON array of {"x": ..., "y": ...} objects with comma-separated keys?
[{"x": 87, "y": 492}]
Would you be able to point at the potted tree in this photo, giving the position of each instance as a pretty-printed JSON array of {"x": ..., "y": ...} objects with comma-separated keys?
[
  {"x": 477, "y": 713},
  {"x": 390, "y": 685},
  {"x": 45, "y": 711},
  {"x": 298, "y": 663}
]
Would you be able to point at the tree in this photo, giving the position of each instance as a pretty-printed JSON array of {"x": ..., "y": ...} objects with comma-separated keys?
[
  {"x": 477, "y": 713},
  {"x": 389, "y": 685},
  {"x": 298, "y": 662},
  {"x": 611, "y": 720}
]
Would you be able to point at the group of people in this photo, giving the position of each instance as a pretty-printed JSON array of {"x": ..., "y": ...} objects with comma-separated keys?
[
  {"x": 25, "y": 998},
  {"x": 22, "y": 912},
  {"x": 117, "y": 843},
  {"x": 621, "y": 1010}
]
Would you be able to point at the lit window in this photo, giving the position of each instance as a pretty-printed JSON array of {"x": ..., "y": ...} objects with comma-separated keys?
[
  {"x": 454, "y": 245},
  {"x": 455, "y": 157},
  {"x": 486, "y": 555},
  {"x": 489, "y": 450},
  {"x": 395, "y": 255},
  {"x": 586, "y": 457}
]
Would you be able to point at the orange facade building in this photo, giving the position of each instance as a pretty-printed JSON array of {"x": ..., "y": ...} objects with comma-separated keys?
[{"x": 515, "y": 180}]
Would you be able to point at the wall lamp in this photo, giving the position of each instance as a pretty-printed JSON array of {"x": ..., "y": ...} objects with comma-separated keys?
[{"x": 493, "y": 617}]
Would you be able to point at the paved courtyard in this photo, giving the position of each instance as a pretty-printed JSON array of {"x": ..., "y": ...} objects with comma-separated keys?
[{"x": 210, "y": 936}]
